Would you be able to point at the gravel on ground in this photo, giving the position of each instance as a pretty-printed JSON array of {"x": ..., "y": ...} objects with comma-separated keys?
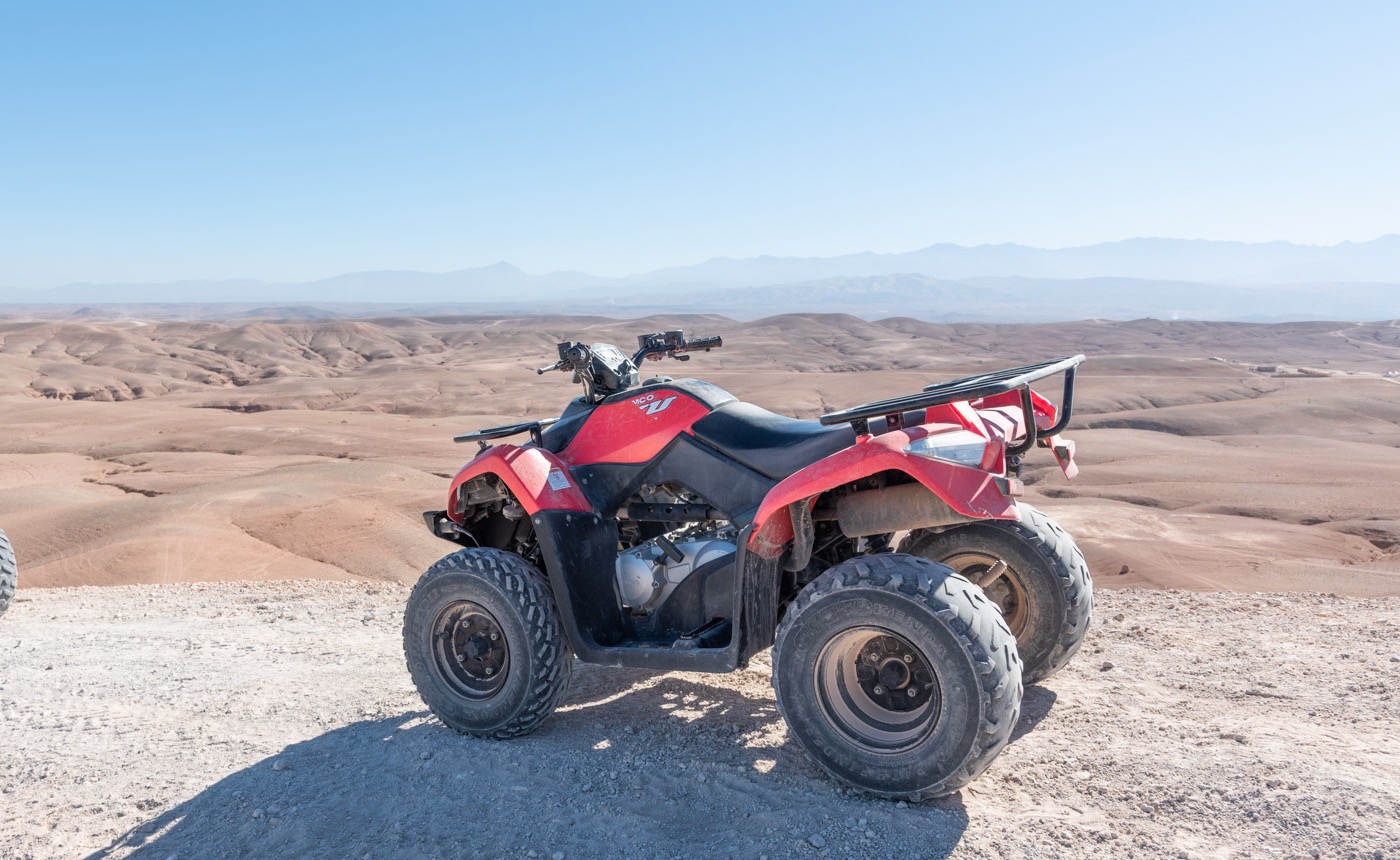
[{"x": 276, "y": 719}]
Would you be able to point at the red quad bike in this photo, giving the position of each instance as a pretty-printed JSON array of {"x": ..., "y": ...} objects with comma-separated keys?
[{"x": 667, "y": 525}]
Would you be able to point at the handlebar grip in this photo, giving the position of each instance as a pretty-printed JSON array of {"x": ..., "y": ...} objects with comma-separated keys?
[{"x": 704, "y": 343}]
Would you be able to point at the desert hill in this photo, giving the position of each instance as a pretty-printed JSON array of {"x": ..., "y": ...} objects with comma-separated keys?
[{"x": 1213, "y": 455}]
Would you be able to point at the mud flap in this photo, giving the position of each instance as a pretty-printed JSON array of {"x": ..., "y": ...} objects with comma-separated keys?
[
  {"x": 1063, "y": 449},
  {"x": 760, "y": 579}
]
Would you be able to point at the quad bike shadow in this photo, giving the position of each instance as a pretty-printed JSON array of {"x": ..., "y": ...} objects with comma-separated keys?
[
  {"x": 628, "y": 697},
  {"x": 366, "y": 790},
  {"x": 613, "y": 774}
]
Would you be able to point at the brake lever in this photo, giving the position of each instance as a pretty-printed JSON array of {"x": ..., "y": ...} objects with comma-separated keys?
[{"x": 541, "y": 371}]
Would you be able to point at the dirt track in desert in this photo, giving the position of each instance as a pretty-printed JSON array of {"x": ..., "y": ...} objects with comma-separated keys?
[
  {"x": 230, "y": 699},
  {"x": 276, "y": 720}
]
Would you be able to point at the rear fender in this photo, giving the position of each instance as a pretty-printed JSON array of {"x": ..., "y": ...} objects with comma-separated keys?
[
  {"x": 538, "y": 480},
  {"x": 969, "y": 492},
  {"x": 1005, "y": 424}
]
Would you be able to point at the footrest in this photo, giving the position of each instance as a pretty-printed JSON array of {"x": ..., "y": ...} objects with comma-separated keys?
[{"x": 713, "y": 634}]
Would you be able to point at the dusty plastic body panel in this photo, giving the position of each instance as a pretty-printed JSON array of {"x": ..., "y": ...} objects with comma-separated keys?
[
  {"x": 538, "y": 480},
  {"x": 970, "y": 491}
]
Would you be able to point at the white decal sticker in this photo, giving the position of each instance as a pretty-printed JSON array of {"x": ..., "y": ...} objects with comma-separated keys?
[
  {"x": 651, "y": 406},
  {"x": 558, "y": 480}
]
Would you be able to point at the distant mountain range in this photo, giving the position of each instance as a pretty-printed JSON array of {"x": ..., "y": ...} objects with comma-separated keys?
[{"x": 1193, "y": 279}]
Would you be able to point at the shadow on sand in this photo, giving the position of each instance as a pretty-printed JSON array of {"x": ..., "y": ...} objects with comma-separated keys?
[
  {"x": 1035, "y": 707},
  {"x": 634, "y": 764}
]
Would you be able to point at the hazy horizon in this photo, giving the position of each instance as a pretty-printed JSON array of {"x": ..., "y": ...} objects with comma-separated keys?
[{"x": 684, "y": 264}]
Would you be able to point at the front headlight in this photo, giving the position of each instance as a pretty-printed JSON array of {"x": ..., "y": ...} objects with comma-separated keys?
[{"x": 956, "y": 446}]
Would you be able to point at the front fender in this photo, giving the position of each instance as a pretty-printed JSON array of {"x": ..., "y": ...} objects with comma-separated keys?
[
  {"x": 539, "y": 480},
  {"x": 974, "y": 493}
]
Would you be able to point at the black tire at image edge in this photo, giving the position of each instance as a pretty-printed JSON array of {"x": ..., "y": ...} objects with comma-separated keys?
[{"x": 9, "y": 573}]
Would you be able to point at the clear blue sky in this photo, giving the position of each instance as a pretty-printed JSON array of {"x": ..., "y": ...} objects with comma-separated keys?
[{"x": 293, "y": 140}]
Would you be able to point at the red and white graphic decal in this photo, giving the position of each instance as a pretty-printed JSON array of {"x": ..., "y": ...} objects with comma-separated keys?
[{"x": 651, "y": 406}]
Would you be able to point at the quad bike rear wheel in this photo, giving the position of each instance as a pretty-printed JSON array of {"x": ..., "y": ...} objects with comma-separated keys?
[
  {"x": 1032, "y": 570},
  {"x": 484, "y": 644},
  {"x": 9, "y": 573},
  {"x": 897, "y": 676}
]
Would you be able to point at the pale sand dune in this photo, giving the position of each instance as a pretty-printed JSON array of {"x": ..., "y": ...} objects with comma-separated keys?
[{"x": 173, "y": 451}]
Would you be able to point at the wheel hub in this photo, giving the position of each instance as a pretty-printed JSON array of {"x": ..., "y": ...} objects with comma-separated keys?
[
  {"x": 470, "y": 649},
  {"x": 892, "y": 675},
  {"x": 878, "y": 689},
  {"x": 1001, "y": 584}
]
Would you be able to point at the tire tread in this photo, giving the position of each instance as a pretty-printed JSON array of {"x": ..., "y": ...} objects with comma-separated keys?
[
  {"x": 1076, "y": 583},
  {"x": 967, "y": 612},
  {"x": 9, "y": 573},
  {"x": 530, "y": 592},
  {"x": 1043, "y": 536}
]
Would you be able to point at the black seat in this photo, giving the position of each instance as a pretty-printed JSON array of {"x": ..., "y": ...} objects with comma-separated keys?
[{"x": 771, "y": 444}]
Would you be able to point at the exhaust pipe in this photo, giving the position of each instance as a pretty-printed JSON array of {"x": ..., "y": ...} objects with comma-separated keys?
[{"x": 893, "y": 509}]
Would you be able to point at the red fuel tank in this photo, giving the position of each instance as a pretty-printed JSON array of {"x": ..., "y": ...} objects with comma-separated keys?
[{"x": 635, "y": 426}]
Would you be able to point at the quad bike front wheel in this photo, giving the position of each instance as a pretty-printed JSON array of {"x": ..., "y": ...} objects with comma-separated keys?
[
  {"x": 897, "y": 676},
  {"x": 9, "y": 573},
  {"x": 1032, "y": 570},
  {"x": 484, "y": 644}
]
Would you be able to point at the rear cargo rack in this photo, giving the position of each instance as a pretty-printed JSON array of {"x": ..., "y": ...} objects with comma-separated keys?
[
  {"x": 972, "y": 388},
  {"x": 532, "y": 427}
]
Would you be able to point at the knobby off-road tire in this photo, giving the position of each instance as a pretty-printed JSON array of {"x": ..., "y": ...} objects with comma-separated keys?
[
  {"x": 9, "y": 573},
  {"x": 897, "y": 676},
  {"x": 483, "y": 642},
  {"x": 1045, "y": 593}
]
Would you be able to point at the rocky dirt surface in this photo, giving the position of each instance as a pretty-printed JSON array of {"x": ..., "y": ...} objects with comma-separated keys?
[{"x": 276, "y": 719}]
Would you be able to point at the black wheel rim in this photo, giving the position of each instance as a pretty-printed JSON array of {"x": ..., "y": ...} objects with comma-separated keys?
[
  {"x": 470, "y": 650},
  {"x": 878, "y": 689}
]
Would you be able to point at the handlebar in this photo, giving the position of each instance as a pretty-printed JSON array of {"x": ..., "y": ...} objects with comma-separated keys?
[
  {"x": 572, "y": 356},
  {"x": 705, "y": 343},
  {"x": 604, "y": 369},
  {"x": 656, "y": 346}
]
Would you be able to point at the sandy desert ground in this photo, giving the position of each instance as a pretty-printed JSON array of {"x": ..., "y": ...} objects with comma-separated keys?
[{"x": 231, "y": 700}]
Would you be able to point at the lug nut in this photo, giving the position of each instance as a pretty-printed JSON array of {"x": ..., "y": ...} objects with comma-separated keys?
[
  {"x": 912, "y": 691},
  {"x": 879, "y": 690},
  {"x": 495, "y": 636},
  {"x": 909, "y": 658},
  {"x": 490, "y": 670}
]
